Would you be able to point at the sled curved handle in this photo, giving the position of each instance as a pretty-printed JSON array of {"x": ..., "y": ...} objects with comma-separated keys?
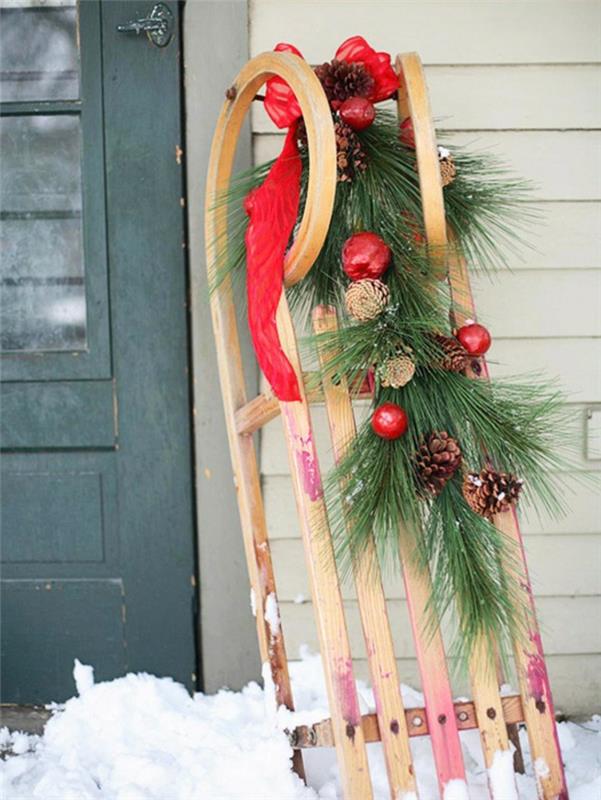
[
  {"x": 321, "y": 141},
  {"x": 414, "y": 103}
]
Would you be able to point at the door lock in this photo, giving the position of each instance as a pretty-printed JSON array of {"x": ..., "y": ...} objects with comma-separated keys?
[{"x": 158, "y": 26}]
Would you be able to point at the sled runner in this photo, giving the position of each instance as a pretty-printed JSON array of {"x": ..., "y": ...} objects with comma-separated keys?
[{"x": 392, "y": 725}]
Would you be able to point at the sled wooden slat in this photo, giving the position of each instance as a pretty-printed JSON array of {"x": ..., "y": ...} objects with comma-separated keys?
[
  {"x": 413, "y": 102},
  {"x": 251, "y": 417},
  {"x": 390, "y": 713},
  {"x": 432, "y": 664},
  {"x": 246, "y": 472},
  {"x": 320, "y": 734},
  {"x": 537, "y": 700},
  {"x": 489, "y": 710},
  {"x": 312, "y": 231},
  {"x": 263, "y": 408},
  {"x": 323, "y": 579}
]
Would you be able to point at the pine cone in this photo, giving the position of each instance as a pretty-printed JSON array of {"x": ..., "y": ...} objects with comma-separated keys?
[
  {"x": 366, "y": 299},
  {"x": 342, "y": 79},
  {"x": 396, "y": 371},
  {"x": 350, "y": 156},
  {"x": 454, "y": 357},
  {"x": 437, "y": 460},
  {"x": 489, "y": 492},
  {"x": 448, "y": 170}
]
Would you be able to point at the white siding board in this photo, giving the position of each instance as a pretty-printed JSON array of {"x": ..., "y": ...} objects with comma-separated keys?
[
  {"x": 569, "y": 625},
  {"x": 562, "y": 165},
  {"x": 565, "y": 236},
  {"x": 583, "y": 515},
  {"x": 444, "y": 32},
  {"x": 461, "y": 98},
  {"x": 574, "y": 570},
  {"x": 275, "y": 459},
  {"x": 556, "y": 358},
  {"x": 540, "y": 303}
]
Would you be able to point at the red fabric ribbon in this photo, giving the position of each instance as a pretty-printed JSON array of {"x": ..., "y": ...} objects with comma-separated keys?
[{"x": 272, "y": 209}]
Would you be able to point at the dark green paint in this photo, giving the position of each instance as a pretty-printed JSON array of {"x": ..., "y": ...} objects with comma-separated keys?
[
  {"x": 47, "y": 624},
  {"x": 52, "y": 517},
  {"x": 108, "y": 524},
  {"x": 69, "y": 414}
]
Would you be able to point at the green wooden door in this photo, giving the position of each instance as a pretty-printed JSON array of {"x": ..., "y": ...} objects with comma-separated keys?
[{"x": 97, "y": 506}]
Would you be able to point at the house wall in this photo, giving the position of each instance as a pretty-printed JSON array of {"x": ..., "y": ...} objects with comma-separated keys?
[
  {"x": 226, "y": 631},
  {"x": 523, "y": 80}
]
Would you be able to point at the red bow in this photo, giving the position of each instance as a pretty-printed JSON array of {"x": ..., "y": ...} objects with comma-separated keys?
[
  {"x": 273, "y": 208},
  {"x": 281, "y": 104}
]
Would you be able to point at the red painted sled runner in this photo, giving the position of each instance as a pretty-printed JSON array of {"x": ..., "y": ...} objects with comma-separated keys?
[{"x": 392, "y": 725}]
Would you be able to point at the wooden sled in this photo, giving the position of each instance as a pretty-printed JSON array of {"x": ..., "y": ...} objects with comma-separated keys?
[{"x": 392, "y": 725}]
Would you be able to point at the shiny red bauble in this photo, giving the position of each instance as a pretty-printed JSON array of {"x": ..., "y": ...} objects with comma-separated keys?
[
  {"x": 365, "y": 255},
  {"x": 475, "y": 338},
  {"x": 357, "y": 112},
  {"x": 407, "y": 135},
  {"x": 389, "y": 421}
]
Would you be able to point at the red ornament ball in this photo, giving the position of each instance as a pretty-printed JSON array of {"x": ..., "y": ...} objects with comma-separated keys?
[
  {"x": 365, "y": 255},
  {"x": 357, "y": 112},
  {"x": 475, "y": 338},
  {"x": 389, "y": 421}
]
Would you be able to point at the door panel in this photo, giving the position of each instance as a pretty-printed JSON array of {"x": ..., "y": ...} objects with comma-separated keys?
[
  {"x": 86, "y": 618},
  {"x": 65, "y": 414},
  {"x": 97, "y": 506}
]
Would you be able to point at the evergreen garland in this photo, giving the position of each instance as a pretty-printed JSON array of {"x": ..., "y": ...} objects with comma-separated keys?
[{"x": 511, "y": 424}]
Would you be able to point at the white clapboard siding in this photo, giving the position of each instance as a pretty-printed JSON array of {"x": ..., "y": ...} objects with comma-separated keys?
[
  {"x": 562, "y": 238},
  {"x": 562, "y": 165},
  {"x": 521, "y": 80},
  {"x": 274, "y": 458},
  {"x": 556, "y": 358},
  {"x": 483, "y": 32},
  {"x": 542, "y": 303},
  {"x": 582, "y": 517},
  {"x": 557, "y": 615},
  {"x": 574, "y": 570},
  {"x": 461, "y": 98}
]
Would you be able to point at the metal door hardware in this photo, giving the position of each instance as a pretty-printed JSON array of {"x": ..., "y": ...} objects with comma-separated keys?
[{"x": 158, "y": 26}]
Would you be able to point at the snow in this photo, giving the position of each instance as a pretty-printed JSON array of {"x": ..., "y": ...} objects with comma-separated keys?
[
  {"x": 455, "y": 790},
  {"x": 272, "y": 614},
  {"x": 502, "y": 777},
  {"x": 83, "y": 675},
  {"x": 144, "y": 738},
  {"x": 541, "y": 768},
  {"x": 299, "y": 599}
]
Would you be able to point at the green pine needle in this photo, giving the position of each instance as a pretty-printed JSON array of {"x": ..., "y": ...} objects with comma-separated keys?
[{"x": 511, "y": 424}]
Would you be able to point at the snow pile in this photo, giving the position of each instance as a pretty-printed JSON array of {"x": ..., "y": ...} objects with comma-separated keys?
[{"x": 145, "y": 738}]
